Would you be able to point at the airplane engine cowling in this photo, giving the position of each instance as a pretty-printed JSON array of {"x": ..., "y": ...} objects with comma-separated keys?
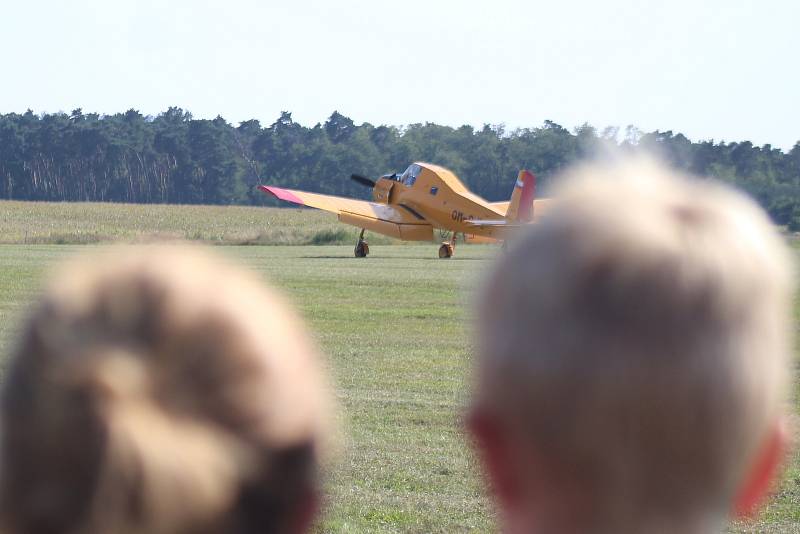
[{"x": 382, "y": 192}]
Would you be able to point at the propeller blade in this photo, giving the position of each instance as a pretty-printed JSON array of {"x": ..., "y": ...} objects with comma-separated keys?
[{"x": 363, "y": 180}]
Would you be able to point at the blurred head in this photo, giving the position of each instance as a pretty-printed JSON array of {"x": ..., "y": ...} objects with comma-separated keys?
[
  {"x": 159, "y": 390},
  {"x": 633, "y": 352}
]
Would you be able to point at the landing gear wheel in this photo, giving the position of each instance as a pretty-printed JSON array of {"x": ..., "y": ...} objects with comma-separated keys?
[
  {"x": 446, "y": 251},
  {"x": 362, "y": 249}
]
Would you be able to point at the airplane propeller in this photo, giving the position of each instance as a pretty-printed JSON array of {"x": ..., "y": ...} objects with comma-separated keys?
[{"x": 363, "y": 180}]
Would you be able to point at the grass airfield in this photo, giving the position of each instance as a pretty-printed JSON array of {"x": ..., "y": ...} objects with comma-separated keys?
[{"x": 395, "y": 327}]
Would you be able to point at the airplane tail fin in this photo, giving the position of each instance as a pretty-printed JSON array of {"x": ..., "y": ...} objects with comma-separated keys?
[{"x": 520, "y": 208}]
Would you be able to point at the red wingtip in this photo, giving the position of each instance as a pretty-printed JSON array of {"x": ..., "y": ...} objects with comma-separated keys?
[{"x": 282, "y": 194}]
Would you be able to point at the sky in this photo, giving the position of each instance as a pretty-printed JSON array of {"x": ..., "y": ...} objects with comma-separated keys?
[{"x": 711, "y": 69}]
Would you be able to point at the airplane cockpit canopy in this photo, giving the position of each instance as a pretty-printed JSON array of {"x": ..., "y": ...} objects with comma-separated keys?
[{"x": 410, "y": 175}]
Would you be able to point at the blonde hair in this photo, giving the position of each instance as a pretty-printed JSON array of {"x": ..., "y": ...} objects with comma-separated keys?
[
  {"x": 639, "y": 336},
  {"x": 160, "y": 390}
]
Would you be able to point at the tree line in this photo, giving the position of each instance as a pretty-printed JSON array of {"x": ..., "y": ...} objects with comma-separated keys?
[{"x": 175, "y": 158}]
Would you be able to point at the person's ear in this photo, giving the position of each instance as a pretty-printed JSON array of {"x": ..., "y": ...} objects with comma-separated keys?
[
  {"x": 493, "y": 448},
  {"x": 761, "y": 474}
]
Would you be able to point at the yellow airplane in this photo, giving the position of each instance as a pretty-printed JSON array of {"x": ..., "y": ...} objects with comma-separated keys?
[{"x": 411, "y": 205}]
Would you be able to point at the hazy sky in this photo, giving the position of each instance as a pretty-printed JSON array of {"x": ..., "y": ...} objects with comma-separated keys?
[{"x": 722, "y": 69}]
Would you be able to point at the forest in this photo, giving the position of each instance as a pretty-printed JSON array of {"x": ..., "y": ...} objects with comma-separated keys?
[{"x": 175, "y": 158}]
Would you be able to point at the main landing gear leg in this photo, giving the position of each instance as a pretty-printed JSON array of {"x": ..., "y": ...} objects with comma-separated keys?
[
  {"x": 448, "y": 248},
  {"x": 362, "y": 248}
]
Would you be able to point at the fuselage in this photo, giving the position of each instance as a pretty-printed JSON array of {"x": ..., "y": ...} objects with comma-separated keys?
[
  {"x": 435, "y": 194},
  {"x": 423, "y": 198}
]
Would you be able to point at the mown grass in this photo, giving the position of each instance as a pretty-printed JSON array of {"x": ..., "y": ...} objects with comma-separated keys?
[
  {"x": 396, "y": 331},
  {"x": 393, "y": 327},
  {"x": 62, "y": 223}
]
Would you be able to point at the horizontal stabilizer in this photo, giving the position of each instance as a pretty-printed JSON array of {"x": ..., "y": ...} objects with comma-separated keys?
[{"x": 478, "y": 223}]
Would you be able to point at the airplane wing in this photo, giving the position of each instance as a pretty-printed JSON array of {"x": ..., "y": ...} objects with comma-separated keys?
[
  {"x": 338, "y": 205},
  {"x": 402, "y": 224}
]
